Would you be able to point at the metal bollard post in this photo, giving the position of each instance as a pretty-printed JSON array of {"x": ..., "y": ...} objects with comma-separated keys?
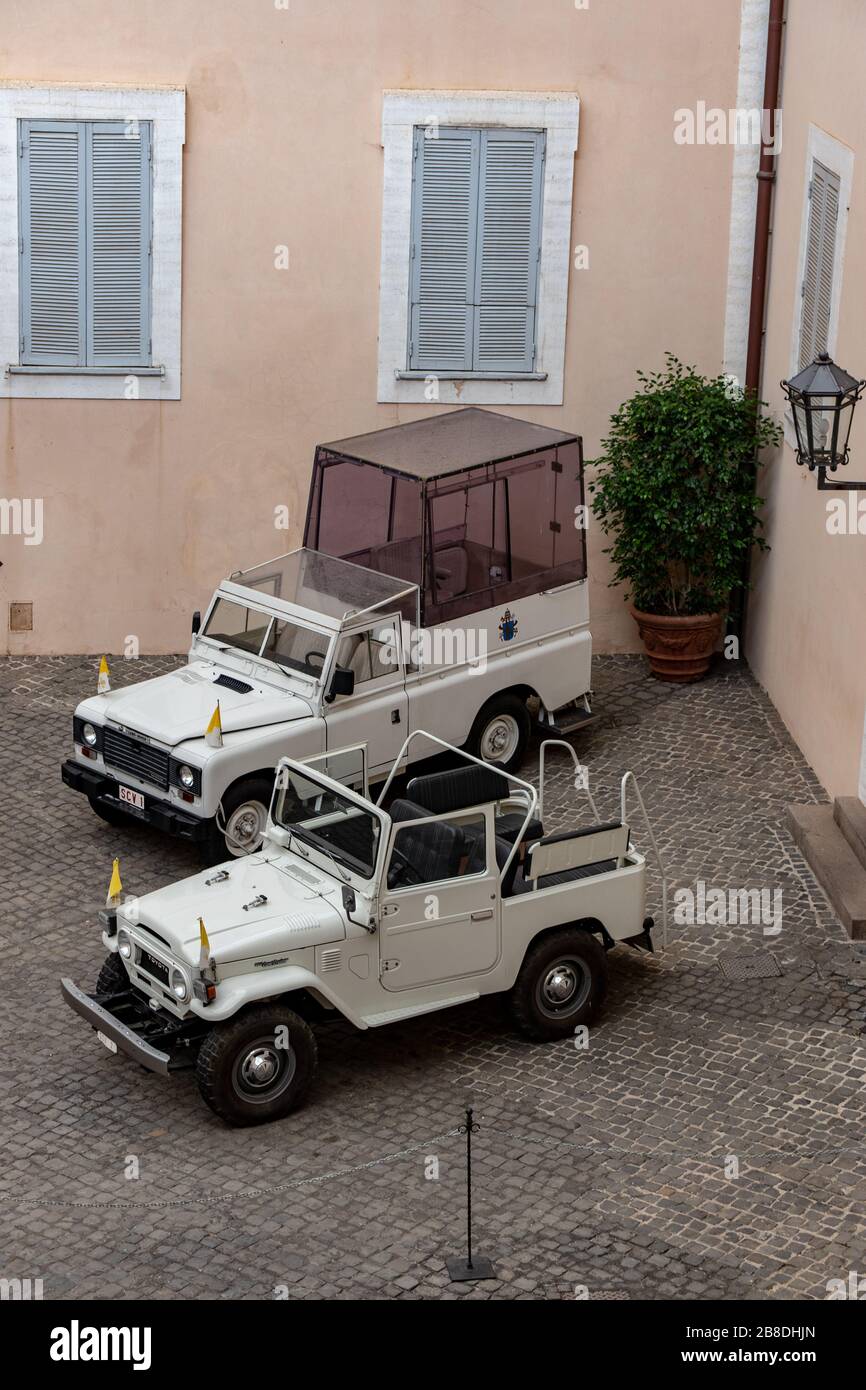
[{"x": 479, "y": 1267}]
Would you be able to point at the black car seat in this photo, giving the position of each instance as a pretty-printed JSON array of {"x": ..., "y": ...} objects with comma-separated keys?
[
  {"x": 472, "y": 785},
  {"x": 434, "y": 850}
]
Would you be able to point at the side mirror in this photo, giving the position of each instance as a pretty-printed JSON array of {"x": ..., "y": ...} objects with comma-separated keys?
[
  {"x": 196, "y": 622},
  {"x": 342, "y": 683},
  {"x": 349, "y": 899}
]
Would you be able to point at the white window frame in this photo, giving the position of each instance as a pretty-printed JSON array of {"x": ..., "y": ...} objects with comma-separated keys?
[
  {"x": 165, "y": 108},
  {"x": 839, "y": 159},
  {"x": 557, "y": 113}
]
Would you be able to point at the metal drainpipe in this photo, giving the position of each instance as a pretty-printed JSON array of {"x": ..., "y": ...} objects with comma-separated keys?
[{"x": 760, "y": 260}]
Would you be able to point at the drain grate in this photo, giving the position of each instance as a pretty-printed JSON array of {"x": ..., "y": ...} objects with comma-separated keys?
[{"x": 757, "y": 965}]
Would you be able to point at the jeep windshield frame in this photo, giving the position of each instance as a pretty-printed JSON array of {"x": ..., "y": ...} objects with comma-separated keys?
[{"x": 323, "y": 817}]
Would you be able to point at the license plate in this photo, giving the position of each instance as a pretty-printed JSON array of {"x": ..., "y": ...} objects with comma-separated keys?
[
  {"x": 106, "y": 1042},
  {"x": 133, "y": 798}
]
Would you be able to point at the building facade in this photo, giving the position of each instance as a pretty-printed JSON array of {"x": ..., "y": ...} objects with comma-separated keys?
[
  {"x": 806, "y": 638},
  {"x": 283, "y": 146},
  {"x": 228, "y": 234}
]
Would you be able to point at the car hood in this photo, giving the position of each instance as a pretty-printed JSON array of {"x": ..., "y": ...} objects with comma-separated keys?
[
  {"x": 179, "y": 705},
  {"x": 295, "y": 914}
]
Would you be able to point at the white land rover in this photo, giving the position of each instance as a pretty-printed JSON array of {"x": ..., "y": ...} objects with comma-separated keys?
[
  {"x": 350, "y": 910},
  {"x": 441, "y": 585}
]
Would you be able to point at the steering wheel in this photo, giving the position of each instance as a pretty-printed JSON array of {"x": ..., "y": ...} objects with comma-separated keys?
[
  {"x": 402, "y": 870},
  {"x": 312, "y": 657}
]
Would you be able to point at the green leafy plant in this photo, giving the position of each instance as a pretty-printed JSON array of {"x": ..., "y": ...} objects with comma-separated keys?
[{"x": 676, "y": 489}]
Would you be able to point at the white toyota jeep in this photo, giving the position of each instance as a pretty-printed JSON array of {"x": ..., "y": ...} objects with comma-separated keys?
[
  {"x": 374, "y": 915},
  {"x": 441, "y": 585}
]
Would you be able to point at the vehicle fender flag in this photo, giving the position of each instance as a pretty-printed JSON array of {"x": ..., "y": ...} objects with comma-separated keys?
[
  {"x": 204, "y": 953},
  {"x": 103, "y": 684},
  {"x": 115, "y": 887},
  {"x": 213, "y": 734}
]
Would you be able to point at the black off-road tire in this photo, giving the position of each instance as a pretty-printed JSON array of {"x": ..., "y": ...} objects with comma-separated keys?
[
  {"x": 570, "y": 955},
  {"x": 509, "y": 710},
  {"x": 226, "y": 1065},
  {"x": 112, "y": 978},
  {"x": 214, "y": 848}
]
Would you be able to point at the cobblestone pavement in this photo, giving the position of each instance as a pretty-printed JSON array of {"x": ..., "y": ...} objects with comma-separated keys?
[{"x": 707, "y": 1144}]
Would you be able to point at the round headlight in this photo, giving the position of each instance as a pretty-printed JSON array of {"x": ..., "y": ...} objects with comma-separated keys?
[
  {"x": 179, "y": 985},
  {"x": 186, "y": 776},
  {"x": 124, "y": 943},
  {"x": 89, "y": 735}
]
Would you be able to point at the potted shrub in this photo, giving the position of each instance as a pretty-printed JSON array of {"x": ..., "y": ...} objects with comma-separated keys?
[{"x": 676, "y": 490}]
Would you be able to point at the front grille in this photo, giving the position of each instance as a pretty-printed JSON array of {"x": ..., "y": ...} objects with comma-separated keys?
[
  {"x": 232, "y": 682},
  {"x": 151, "y": 966},
  {"x": 141, "y": 759}
]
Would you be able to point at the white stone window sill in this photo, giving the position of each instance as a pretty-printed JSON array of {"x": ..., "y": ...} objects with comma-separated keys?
[
  {"x": 431, "y": 374},
  {"x": 15, "y": 369}
]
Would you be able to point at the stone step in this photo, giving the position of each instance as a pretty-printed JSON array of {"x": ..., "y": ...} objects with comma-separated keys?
[
  {"x": 849, "y": 814},
  {"x": 834, "y": 864}
]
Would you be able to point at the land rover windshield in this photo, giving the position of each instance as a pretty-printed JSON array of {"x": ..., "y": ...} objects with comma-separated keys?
[
  {"x": 288, "y": 644},
  {"x": 320, "y": 818}
]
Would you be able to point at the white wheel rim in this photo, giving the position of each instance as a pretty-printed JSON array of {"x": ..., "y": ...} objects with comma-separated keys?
[
  {"x": 500, "y": 739},
  {"x": 245, "y": 828}
]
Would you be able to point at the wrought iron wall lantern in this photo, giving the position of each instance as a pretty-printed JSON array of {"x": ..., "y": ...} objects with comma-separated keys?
[{"x": 822, "y": 398}]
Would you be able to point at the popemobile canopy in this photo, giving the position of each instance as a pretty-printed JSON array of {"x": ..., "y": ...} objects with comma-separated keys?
[{"x": 476, "y": 508}]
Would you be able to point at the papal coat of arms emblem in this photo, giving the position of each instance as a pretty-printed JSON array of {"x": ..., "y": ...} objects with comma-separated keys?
[{"x": 507, "y": 625}]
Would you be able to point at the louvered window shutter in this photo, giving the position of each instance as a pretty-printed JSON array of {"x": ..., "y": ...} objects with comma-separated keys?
[
  {"x": 509, "y": 237},
  {"x": 476, "y": 230},
  {"x": 118, "y": 245},
  {"x": 444, "y": 221},
  {"x": 85, "y": 218},
  {"x": 820, "y": 262},
  {"x": 52, "y": 211}
]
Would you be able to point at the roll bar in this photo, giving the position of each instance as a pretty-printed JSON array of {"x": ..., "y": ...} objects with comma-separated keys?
[
  {"x": 470, "y": 758},
  {"x": 653, "y": 842}
]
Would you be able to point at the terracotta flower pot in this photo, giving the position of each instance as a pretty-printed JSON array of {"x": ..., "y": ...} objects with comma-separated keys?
[{"x": 679, "y": 649}]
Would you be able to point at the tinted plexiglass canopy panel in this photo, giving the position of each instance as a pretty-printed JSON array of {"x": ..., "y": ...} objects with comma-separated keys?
[
  {"x": 476, "y": 508},
  {"x": 448, "y": 443},
  {"x": 331, "y": 586}
]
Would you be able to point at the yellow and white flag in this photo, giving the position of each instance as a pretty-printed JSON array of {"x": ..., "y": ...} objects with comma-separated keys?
[
  {"x": 213, "y": 734},
  {"x": 103, "y": 685},
  {"x": 115, "y": 887},
  {"x": 204, "y": 951}
]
